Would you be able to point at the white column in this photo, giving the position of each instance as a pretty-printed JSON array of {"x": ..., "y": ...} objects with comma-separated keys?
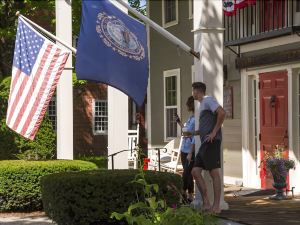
[
  {"x": 65, "y": 87},
  {"x": 208, "y": 40},
  {"x": 117, "y": 124},
  {"x": 294, "y": 175}
]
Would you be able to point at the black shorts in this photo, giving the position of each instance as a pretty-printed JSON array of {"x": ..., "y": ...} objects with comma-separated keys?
[{"x": 209, "y": 156}]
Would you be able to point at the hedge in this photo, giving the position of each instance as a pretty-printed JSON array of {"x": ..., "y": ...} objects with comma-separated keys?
[
  {"x": 100, "y": 161},
  {"x": 20, "y": 181},
  {"x": 89, "y": 197}
]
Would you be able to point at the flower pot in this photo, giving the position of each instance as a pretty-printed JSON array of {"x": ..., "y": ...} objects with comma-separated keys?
[{"x": 279, "y": 184}]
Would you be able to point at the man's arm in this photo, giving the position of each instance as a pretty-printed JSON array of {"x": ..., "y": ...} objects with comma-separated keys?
[{"x": 220, "y": 119}]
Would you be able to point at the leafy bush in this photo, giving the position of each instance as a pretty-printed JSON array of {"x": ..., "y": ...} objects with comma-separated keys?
[
  {"x": 100, "y": 161},
  {"x": 151, "y": 209},
  {"x": 20, "y": 181},
  {"x": 14, "y": 146},
  {"x": 90, "y": 197}
]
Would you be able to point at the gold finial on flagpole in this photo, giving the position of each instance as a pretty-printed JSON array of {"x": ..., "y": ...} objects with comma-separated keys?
[{"x": 18, "y": 13}]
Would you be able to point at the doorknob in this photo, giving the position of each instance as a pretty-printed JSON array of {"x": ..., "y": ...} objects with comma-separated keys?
[{"x": 273, "y": 101}]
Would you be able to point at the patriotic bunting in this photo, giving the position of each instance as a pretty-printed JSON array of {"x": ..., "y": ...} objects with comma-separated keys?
[{"x": 231, "y": 6}]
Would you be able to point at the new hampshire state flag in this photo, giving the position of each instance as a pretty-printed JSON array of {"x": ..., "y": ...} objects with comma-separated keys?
[{"x": 112, "y": 49}]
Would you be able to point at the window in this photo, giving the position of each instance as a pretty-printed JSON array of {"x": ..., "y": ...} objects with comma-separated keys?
[
  {"x": 170, "y": 12},
  {"x": 171, "y": 102},
  {"x": 132, "y": 113},
  {"x": 100, "y": 117},
  {"x": 255, "y": 117},
  {"x": 52, "y": 111},
  {"x": 191, "y": 9},
  {"x": 254, "y": 126},
  {"x": 298, "y": 6}
]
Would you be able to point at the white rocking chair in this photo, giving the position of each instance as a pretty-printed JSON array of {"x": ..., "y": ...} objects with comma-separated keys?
[
  {"x": 170, "y": 160},
  {"x": 174, "y": 166}
]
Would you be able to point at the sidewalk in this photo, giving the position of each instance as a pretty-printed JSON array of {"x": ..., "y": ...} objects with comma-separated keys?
[
  {"x": 39, "y": 218},
  {"x": 34, "y": 218},
  {"x": 26, "y": 221},
  {"x": 46, "y": 221}
]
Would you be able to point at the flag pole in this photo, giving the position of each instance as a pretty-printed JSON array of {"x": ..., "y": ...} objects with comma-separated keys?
[
  {"x": 161, "y": 30},
  {"x": 47, "y": 32}
]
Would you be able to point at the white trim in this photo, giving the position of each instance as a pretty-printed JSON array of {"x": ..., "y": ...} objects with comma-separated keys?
[
  {"x": 249, "y": 180},
  {"x": 276, "y": 42},
  {"x": 172, "y": 23},
  {"x": 271, "y": 68},
  {"x": 258, "y": 127},
  {"x": 193, "y": 74},
  {"x": 257, "y": 121},
  {"x": 191, "y": 13},
  {"x": 170, "y": 73},
  {"x": 93, "y": 120}
]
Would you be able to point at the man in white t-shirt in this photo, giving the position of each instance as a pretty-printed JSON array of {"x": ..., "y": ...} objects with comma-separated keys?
[{"x": 208, "y": 158}]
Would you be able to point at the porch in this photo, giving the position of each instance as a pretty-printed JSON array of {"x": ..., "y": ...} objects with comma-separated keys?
[{"x": 253, "y": 207}]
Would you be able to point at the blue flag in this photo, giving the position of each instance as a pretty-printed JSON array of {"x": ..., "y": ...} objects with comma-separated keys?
[{"x": 112, "y": 49}]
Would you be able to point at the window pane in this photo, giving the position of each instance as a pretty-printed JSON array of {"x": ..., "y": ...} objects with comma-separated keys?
[
  {"x": 170, "y": 10},
  {"x": 100, "y": 119},
  {"x": 52, "y": 112},
  {"x": 171, "y": 92},
  {"x": 171, "y": 126}
]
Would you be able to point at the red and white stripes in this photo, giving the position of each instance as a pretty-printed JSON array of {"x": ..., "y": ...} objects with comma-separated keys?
[{"x": 30, "y": 95}]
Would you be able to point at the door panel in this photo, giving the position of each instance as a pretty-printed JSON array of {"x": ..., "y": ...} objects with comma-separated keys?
[{"x": 273, "y": 117}]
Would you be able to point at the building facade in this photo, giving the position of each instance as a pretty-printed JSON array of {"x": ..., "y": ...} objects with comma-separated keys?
[
  {"x": 261, "y": 84},
  {"x": 170, "y": 70},
  {"x": 90, "y": 119},
  {"x": 262, "y": 51}
]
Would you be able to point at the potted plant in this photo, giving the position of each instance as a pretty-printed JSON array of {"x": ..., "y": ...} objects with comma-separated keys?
[{"x": 279, "y": 166}]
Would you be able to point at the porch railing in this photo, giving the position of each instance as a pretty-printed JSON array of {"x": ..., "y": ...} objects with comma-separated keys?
[{"x": 266, "y": 19}]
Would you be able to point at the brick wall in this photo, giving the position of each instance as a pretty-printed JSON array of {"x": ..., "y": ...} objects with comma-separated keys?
[{"x": 85, "y": 142}]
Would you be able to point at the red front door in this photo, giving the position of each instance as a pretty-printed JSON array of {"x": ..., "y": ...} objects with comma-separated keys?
[{"x": 273, "y": 117}]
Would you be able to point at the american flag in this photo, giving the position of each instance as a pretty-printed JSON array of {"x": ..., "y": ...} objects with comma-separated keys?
[{"x": 37, "y": 66}]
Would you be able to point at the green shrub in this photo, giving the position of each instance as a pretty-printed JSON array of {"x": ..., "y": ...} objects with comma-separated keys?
[
  {"x": 152, "y": 210},
  {"x": 100, "y": 161},
  {"x": 14, "y": 146},
  {"x": 90, "y": 197},
  {"x": 20, "y": 181}
]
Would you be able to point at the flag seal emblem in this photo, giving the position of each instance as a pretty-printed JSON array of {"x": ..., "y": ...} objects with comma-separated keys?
[{"x": 117, "y": 36}]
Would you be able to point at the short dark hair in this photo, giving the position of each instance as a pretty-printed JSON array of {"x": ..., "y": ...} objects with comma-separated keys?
[
  {"x": 199, "y": 86},
  {"x": 190, "y": 103}
]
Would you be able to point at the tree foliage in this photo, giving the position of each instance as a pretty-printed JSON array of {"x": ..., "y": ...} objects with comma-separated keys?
[
  {"x": 138, "y": 5},
  {"x": 14, "y": 146},
  {"x": 43, "y": 13}
]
